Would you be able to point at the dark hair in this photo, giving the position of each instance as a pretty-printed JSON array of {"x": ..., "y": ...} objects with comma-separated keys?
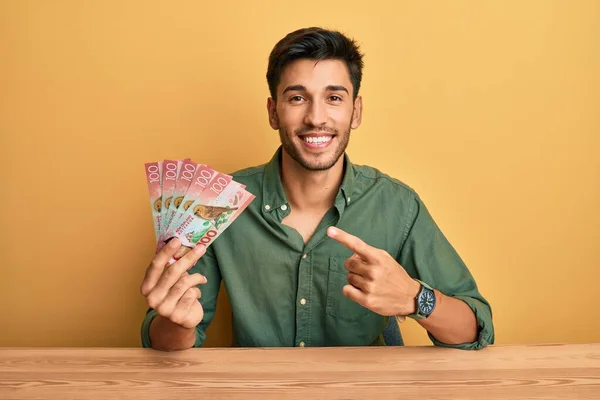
[{"x": 315, "y": 44}]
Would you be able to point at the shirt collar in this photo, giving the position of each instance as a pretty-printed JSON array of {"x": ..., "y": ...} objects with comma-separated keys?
[{"x": 274, "y": 195}]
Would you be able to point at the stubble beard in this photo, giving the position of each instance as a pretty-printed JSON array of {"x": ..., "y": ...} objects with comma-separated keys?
[{"x": 317, "y": 165}]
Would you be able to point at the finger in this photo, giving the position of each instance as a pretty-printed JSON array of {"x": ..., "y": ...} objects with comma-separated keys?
[
  {"x": 352, "y": 242},
  {"x": 182, "y": 251},
  {"x": 184, "y": 305},
  {"x": 358, "y": 281},
  {"x": 189, "y": 297},
  {"x": 356, "y": 265},
  {"x": 186, "y": 282},
  {"x": 157, "y": 265},
  {"x": 175, "y": 271},
  {"x": 355, "y": 295}
]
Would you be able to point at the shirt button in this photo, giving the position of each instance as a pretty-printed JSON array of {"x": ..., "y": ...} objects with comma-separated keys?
[
  {"x": 301, "y": 344},
  {"x": 284, "y": 207},
  {"x": 303, "y": 256},
  {"x": 348, "y": 199},
  {"x": 267, "y": 207},
  {"x": 303, "y": 301}
]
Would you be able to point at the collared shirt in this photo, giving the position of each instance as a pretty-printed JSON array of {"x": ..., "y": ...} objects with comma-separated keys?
[{"x": 284, "y": 292}]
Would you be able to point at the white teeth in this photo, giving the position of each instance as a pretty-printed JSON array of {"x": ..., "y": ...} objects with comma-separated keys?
[{"x": 317, "y": 140}]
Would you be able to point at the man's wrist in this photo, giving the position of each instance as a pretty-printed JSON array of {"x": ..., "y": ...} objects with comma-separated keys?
[{"x": 411, "y": 307}]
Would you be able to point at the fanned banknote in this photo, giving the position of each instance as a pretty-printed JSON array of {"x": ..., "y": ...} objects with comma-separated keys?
[
  {"x": 192, "y": 202},
  {"x": 183, "y": 181},
  {"x": 170, "y": 171},
  {"x": 153, "y": 178}
]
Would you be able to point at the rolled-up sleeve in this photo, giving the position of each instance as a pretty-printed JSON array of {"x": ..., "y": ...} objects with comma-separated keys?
[
  {"x": 427, "y": 255},
  {"x": 208, "y": 267}
]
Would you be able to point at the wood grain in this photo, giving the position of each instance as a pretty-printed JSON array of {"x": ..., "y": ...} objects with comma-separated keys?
[{"x": 497, "y": 372}]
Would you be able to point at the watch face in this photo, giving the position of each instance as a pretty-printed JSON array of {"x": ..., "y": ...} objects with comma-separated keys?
[{"x": 426, "y": 302}]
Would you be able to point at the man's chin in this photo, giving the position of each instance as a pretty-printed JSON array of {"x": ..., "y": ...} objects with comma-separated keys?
[
  {"x": 316, "y": 164},
  {"x": 311, "y": 161}
]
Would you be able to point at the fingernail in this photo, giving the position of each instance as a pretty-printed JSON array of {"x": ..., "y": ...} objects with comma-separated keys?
[
  {"x": 174, "y": 242},
  {"x": 200, "y": 248},
  {"x": 331, "y": 231}
]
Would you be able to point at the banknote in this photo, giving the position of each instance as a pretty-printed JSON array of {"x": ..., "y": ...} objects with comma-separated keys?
[
  {"x": 170, "y": 173},
  {"x": 203, "y": 176},
  {"x": 192, "y": 202},
  {"x": 183, "y": 182},
  {"x": 211, "y": 214},
  {"x": 153, "y": 179},
  {"x": 202, "y": 191},
  {"x": 174, "y": 183},
  {"x": 238, "y": 204}
]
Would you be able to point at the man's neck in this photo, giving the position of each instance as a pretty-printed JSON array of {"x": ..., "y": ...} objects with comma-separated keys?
[{"x": 312, "y": 191}]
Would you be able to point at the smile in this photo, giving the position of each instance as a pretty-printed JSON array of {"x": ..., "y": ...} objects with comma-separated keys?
[{"x": 317, "y": 139}]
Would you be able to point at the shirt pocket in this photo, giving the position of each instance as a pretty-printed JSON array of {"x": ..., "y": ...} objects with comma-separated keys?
[{"x": 338, "y": 305}]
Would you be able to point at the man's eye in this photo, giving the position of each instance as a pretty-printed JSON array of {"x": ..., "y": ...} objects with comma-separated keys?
[
  {"x": 335, "y": 98},
  {"x": 296, "y": 98}
]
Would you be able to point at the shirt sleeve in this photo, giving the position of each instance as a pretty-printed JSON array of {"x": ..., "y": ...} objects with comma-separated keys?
[
  {"x": 209, "y": 267},
  {"x": 427, "y": 255}
]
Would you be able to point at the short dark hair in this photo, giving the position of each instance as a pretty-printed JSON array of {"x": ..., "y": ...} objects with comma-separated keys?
[{"x": 315, "y": 44}]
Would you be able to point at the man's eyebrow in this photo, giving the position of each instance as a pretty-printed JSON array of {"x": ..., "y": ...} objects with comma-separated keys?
[
  {"x": 330, "y": 88},
  {"x": 294, "y": 88},
  {"x": 337, "y": 88}
]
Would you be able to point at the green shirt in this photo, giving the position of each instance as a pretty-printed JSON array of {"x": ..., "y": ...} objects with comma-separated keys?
[{"x": 287, "y": 293}]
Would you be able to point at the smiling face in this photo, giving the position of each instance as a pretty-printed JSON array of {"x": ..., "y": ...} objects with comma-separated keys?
[{"x": 315, "y": 111}]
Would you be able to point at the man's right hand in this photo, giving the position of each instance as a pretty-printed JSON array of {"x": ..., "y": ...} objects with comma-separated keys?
[{"x": 170, "y": 290}]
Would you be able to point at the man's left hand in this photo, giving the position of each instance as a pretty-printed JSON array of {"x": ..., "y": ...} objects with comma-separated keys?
[{"x": 376, "y": 280}]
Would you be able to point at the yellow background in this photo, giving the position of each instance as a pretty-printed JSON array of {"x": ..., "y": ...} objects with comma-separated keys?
[{"x": 489, "y": 109}]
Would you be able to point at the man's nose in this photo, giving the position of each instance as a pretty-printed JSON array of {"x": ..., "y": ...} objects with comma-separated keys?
[{"x": 316, "y": 114}]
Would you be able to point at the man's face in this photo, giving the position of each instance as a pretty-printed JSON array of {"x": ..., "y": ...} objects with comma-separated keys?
[{"x": 314, "y": 112}]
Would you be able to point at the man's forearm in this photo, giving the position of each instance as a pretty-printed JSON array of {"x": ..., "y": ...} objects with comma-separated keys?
[
  {"x": 168, "y": 336},
  {"x": 452, "y": 321}
]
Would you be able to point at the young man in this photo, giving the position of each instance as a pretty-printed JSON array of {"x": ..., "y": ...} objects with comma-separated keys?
[{"x": 328, "y": 250}]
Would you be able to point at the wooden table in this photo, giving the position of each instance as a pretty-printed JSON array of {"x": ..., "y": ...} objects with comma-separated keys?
[{"x": 498, "y": 372}]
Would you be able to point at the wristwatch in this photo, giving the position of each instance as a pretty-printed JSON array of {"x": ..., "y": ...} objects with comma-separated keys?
[{"x": 425, "y": 302}]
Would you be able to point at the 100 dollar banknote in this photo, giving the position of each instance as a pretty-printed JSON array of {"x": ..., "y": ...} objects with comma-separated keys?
[
  {"x": 192, "y": 202},
  {"x": 211, "y": 213},
  {"x": 153, "y": 179}
]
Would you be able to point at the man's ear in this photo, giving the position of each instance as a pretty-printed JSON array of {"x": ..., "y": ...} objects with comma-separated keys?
[
  {"x": 272, "y": 110},
  {"x": 357, "y": 113}
]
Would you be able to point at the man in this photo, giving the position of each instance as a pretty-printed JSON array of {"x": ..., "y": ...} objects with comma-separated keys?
[{"x": 328, "y": 250}]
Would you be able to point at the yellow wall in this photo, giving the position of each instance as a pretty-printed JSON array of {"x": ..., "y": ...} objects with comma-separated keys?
[{"x": 489, "y": 109}]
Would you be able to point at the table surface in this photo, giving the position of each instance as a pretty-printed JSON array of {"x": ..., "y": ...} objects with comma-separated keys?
[{"x": 563, "y": 371}]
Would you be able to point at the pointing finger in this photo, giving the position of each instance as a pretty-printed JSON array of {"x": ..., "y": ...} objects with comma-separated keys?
[{"x": 355, "y": 244}]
